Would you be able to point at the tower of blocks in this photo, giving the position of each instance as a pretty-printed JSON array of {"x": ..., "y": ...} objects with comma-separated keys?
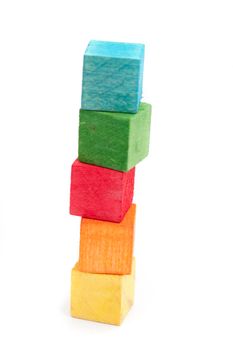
[{"x": 114, "y": 130}]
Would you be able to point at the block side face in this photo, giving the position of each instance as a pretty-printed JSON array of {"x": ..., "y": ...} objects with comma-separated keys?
[
  {"x": 103, "y": 139},
  {"x": 139, "y": 135},
  {"x": 96, "y": 297},
  {"x": 96, "y": 192},
  {"x": 127, "y": 292},
  {"x": 140, "y": 84},
  {"x": 128, "y": 190},
  {"x": 111, "y": 84},
  {"x": 74, "y": 209},
  {"x": 106, "y": 247}
]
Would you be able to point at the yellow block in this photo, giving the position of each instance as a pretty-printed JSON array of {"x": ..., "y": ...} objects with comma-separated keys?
[{"x": 101, "y": 297}]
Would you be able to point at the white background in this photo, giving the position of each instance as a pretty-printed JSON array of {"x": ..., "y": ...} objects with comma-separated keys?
[{"x": 184, "y": 189}]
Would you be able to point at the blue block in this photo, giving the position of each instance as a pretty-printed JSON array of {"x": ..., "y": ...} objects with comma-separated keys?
[{"x": 112, "y": 76}]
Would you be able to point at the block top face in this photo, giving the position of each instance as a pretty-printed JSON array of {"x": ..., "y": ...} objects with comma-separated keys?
[{"x": 115, "y": 49}]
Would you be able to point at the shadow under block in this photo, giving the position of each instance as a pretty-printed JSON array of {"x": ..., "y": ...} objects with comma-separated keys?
[
  {"x": 107, "y": 247},
  {"x": 112, "y": 76},
  {"x": 114, "y": 140},
  {"x": 100, "y": 193},
  {"x": 100, "y": 297}
]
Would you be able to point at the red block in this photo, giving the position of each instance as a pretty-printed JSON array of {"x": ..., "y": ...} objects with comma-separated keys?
[{"x": 100, "y": 193}]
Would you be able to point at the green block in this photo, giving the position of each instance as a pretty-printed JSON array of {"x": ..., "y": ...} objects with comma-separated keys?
[{"x": 114, "y": 140}]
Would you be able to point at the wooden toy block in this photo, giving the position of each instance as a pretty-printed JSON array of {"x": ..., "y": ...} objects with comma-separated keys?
[
  {"x": 100, "y": 297},
  {"x": 112, "y": 76},
  {"x": 100, "y": 193},
  {"x": 107, "y": 247},
  {"x": 114, "y": 140}
]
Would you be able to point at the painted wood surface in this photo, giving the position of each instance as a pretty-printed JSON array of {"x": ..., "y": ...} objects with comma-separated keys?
[
  {"x": 112, "y": 76},
  {"x": 107, "y": 247},
  {"x": 100, "y": 193},
  {"x": 100, "y": 297},
  {"x": 114, "y": 140}
]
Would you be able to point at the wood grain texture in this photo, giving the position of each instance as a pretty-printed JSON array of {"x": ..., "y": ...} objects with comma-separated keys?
[
  {"x": 100, "y": 193},
  {"x": 112, "y": 76},
  {"x": 107, "y": 247},
  {"x": 117, "y": 141},
  {"x": 100, "y": 297}
]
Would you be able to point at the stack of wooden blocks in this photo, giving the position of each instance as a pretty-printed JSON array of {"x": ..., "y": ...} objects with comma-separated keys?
[{"x": 114, "y": 133}]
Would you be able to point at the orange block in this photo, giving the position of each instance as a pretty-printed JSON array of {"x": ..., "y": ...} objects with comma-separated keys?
[{"x": 107, "y": 247}]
